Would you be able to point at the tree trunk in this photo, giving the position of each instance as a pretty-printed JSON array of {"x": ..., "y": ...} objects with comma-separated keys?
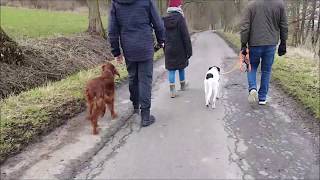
[
  {"x": 303, "y": 20},
  {"x": 295, "y": 38},
  {"x": 10, "y": 53},
  {"x": 311, "y": 22},
  {"x": 95, "y": 23},
  {"x": 318, "y": 31}
]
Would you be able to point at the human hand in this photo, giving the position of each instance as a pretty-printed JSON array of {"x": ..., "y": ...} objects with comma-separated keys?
[
  {"x": 119, "y": 59},
  {"x": 158, "y": 46},
  {"x": 244, "y": 60}
]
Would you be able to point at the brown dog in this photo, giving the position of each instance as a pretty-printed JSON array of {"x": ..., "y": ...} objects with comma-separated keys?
[{"x": 99, "y": 92}]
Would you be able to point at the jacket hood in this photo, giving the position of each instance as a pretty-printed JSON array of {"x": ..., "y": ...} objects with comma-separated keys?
[
  {"x": 171, "y": 21},
  {"x": 125, "y": 1}
]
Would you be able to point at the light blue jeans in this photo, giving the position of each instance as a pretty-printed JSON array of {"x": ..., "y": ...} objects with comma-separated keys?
[
  {"x": 265, "y": 56},
  {"x": 172, "y": 75}
]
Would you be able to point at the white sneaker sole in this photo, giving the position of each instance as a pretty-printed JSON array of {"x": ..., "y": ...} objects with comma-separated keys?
[
  {"x": 253, "y": 97},
  {"x": 262, "y": 102},
  {"x": 173, "y": 95}
]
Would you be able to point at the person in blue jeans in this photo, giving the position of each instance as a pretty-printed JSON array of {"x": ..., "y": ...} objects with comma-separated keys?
[
  {"x": 172, "y": 79},
  {"x": 262, "y": 24},
  {"x": 266, "y": 55},
  {"x": 178, "y": 48}
]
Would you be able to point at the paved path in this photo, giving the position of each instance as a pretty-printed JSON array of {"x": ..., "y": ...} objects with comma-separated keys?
[
  {"x": 234, "y": 141},
  {"x": 188, "y": 140}
]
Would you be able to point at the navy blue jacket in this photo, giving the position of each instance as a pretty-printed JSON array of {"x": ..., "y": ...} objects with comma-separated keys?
[{"x": 131, "y": 23}]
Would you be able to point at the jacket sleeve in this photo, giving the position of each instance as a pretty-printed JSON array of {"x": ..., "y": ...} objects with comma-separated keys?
[
  {"x": 245, "y": 25},
  {"x": 114, "y": 32},
  {"x": 283, "y": 24},
  {"x": 186, "y": 37},
  {"x": 157, "y": 23}
]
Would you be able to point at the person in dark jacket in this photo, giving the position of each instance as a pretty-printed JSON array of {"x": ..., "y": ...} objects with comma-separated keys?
[
  {"x": 131, "y": 25},
  {"x": 264, "y": 21},
  {"x": 178, "y": 48}
]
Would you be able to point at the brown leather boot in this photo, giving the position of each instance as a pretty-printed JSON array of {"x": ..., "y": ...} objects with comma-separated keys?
[{"x": 183, "y": 85}]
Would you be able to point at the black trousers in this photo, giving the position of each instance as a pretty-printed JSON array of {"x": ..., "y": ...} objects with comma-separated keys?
[{"x": 140, "y": 83}]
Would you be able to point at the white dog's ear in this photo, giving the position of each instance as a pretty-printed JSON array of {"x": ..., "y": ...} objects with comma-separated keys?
[
  {"x": 218, "y": 69},
  {"x": 210, "y": 68}
]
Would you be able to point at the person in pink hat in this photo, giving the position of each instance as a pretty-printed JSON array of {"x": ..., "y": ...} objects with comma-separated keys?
[{"x": 178, "y": 48}]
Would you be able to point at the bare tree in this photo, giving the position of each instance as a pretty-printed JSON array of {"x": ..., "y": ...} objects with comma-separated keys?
[
  {"x": 296, "y": 16},
  {"x": 95, "y": 23},
  {"x": 303, "y": 20},
  {"x": 311, "y": 22},
  {"x": 35, "y": 3},
  {"x": 318, "y": 31}
]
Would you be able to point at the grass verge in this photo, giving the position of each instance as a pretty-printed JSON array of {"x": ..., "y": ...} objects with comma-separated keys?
[
  {"x": 33, "y": 113},
  {"x": 34, "y": 23},
  {"x": 297, "y": 75}
]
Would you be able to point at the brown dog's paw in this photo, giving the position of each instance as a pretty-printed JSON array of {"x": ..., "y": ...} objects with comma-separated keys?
[
  {"x": 95, "y": 132},
  {"x": 114, "y": 116}
]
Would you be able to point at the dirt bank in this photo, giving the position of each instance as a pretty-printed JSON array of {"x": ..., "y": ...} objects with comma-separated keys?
[{"x": 51, "y": 60}]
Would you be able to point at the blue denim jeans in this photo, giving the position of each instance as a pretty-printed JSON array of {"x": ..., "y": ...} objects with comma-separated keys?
[
  {"x": 172, "y": 75},
  {"x": 265, "y": 56}
]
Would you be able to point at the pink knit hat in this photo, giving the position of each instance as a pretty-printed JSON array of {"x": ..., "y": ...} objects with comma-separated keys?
[{"x": 175, "y": 3}]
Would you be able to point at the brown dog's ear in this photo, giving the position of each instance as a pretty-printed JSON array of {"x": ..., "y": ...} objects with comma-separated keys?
[{"x": 103, "y": 67}]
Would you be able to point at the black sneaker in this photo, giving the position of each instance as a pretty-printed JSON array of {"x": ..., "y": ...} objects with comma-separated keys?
[{"x": 148, "y": 122}]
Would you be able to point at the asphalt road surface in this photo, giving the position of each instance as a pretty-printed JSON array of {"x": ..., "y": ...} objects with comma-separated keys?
[
  {"x": 188, "y": 141},
  {"x": 233, "y": 141}
]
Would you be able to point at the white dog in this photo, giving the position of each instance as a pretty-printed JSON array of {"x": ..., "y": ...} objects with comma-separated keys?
[{"x": 211, "y": 85}]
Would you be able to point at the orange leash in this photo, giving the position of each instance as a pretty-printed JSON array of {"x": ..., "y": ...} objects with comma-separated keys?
[{"x": 243, "y": 64}]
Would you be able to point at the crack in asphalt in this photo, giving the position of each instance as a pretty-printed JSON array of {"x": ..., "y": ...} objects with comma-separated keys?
[
  {"x": 121, "y": 142},
  {"x": 233, "y": 135},
  {"x": 229, "y": 112},
  {"x": 273, "y": 140},
  {"x": 82, "y": 162}
]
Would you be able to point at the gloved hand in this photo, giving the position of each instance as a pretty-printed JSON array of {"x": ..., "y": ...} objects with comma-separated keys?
[{"x": 282, "y": 49}]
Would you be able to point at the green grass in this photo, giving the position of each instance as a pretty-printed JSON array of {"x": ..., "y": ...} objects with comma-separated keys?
[
  {"x": 158, "y": 54},
  {"x": 297, "y": 75},
  {"x": 32, "y": 113},
  {"x": 232, "y": 38},
  {"x": 33, "y": 23},
  {"x": 26, "y": 116}
]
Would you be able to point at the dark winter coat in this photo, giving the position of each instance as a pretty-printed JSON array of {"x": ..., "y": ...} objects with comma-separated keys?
[
  {"x": 263, "y": 22},
  {"x": 178, "y": 48},
  {"x": 131, "y": 23}
]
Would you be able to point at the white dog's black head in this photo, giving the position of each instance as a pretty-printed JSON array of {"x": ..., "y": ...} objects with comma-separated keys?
[{"x": 215, "y": 67}]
